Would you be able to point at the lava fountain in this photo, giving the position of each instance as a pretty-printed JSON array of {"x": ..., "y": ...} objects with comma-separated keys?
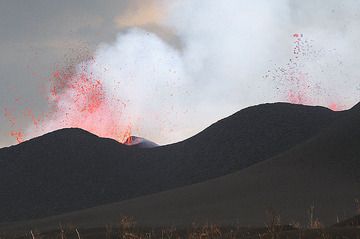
[
  {"x": 77, "y": 100},
  {"x": 296, "y": 84}
]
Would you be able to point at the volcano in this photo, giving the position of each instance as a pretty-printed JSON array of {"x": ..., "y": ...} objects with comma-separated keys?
[{"x": 265, "y": 148}]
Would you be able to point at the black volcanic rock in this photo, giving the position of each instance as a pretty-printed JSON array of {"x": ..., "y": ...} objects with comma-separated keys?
[
  {"x": 71, "y": 169},
  {"x": 321, "y": 172}
]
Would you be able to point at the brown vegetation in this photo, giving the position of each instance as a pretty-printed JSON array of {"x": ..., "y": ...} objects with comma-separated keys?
[{"x": 127, "y": 229}]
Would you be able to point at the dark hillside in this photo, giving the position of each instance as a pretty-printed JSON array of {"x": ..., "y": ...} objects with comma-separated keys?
[{"x": 72, "y": 169}]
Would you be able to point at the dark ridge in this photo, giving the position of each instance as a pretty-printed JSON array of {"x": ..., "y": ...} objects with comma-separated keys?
[
  {"x": 72, "y": 169},
  {"x": 321, "y": 172},
  {"x": 356, "y": 107}
]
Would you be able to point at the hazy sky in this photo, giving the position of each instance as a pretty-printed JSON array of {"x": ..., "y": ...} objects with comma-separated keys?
[{"x": 179, "y": 65}]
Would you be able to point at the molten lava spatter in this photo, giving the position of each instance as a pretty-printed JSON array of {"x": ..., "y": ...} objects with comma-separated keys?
[
  {"x": 293, "y": 81},
  {"x": 140, "y": 142},
  {"x": 76, "y": 100},
  {"x": 10, "y": 117},
  {"x": 19, "y": 136}
]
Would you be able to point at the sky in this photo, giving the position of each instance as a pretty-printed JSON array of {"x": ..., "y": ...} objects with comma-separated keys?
[{"x": 165, "y": 70}]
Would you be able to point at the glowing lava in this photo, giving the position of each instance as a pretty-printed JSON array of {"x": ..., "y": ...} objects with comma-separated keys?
[
  {"x": 19, "y": 136},
  {"x": 336, "y": 107},
  {"x": 299, "y": 92},
  {"x": 293, "y": 80},
  {"x": 76, "y": 100}
]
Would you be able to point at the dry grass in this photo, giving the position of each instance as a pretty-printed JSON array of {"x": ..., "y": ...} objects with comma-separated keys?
[{"x": 126, "y": 228}]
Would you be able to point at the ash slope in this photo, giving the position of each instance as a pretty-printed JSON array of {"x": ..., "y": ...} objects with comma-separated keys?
[
  {"x": 322, "y": 171},
  {"x": 70, "y": 169}
]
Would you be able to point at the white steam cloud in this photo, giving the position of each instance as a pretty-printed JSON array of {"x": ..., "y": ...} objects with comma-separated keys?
[{"x": 203, "y": 60}]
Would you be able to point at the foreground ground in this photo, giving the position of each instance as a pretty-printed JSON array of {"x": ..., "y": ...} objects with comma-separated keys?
[
  {"x": 127, "y": 228},
  {"x": 200, "y": 232}
]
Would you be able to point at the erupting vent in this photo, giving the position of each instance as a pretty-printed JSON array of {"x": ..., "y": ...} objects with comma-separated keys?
[{"x": 76, "y": 100}]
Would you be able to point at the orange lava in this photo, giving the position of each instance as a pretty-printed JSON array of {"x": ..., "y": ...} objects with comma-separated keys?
[
  {"x": 336, "y": 107},
  {"x": 19, "y": 136},
  {"x": 333, "y": 106},
  {"x": 295, "y": 84},
  {"x": 10, "y": 117},
  {"x": 76, "y": 100}
]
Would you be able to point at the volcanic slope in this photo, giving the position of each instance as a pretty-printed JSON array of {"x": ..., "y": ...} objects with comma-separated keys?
[
  {"x": 321, "y": 172},
  {"x": 71, "y": 169}
]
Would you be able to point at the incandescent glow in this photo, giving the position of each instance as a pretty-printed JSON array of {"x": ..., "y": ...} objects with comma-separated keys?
[
  {"x": 76, "y": 100},
  {"x": 19, "y": 136},
  {"x": 293, "y": 80},
  {"x": 80, "y": 101}
]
